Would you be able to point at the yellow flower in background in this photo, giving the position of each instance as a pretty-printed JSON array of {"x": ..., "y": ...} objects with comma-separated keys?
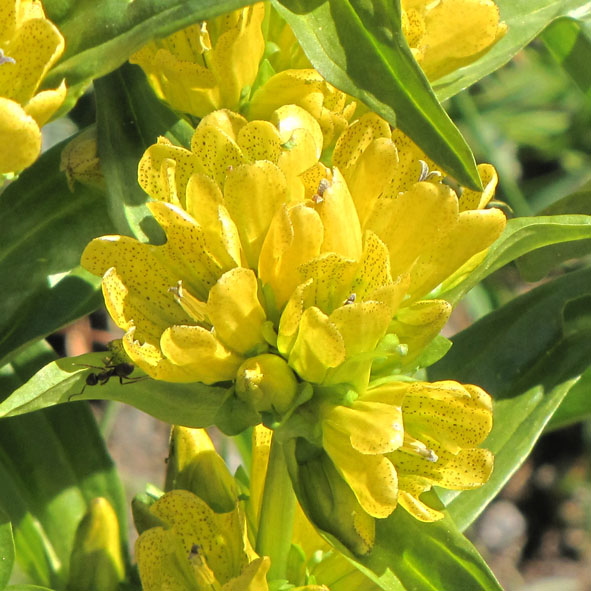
[
  {"x": 206, "y": 66},
  {"x": 271, "y": 252},
  {"x": 198, "y": 549},
  {"x": 29, "y": 46},
  {"x": 445, "y": 35},
  {"x": 397, "y": 440}
]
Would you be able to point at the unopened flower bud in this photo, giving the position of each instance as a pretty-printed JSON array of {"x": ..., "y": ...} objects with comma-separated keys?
[
  {"x": 327, "y": 499},
  {"x": 194, "y": 465},
  {"x": 96, "y": 561},
  {"x": 267, "y": 382}
]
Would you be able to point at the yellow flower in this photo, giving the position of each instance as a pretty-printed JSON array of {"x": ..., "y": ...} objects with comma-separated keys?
[
  {"x": 206, "y": 66},
  {"x": 270, "y": 252},
  {"x": 445, "y": 35},
  {"x": 29, "y": 45},
  {"x": 397, "y": 440},
  {"x": 306, "y": 88},
  {"x": 198, "y": 549}
]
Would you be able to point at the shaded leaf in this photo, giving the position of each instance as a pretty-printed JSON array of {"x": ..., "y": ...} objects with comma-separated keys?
[
  {"x": 538, "y": 263},
  {"x": 6, "y": 550},
  {"x": 359, "y": 47},
  {"x": 44, "y": 230},
  {"x": 52, "y": 464},
  {"x": 570, "y": 44},
  {"x": 129, "y": 120},
  {"x": 576, "y": 405}
]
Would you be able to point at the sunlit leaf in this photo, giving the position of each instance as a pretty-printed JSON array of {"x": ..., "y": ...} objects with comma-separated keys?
[{"x": 191, "y": 405}]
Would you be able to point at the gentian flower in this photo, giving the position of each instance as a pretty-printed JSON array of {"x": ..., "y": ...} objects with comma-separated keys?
[
  {"x": 29, "y": 46},
  {"x": 280, "y": 273},
  {"x": 208, "y": 65},
  {"x": 448, "y": 34}
]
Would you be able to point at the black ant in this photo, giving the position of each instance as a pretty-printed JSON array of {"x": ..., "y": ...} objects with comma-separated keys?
[{"x": 122, "y": 371}]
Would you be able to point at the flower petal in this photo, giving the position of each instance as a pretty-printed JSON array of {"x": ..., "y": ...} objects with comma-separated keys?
[
  {"x": 20, "y": 137},
  {"x": 317, "y": 347},
  {"x": 235, "y": 311},
  {"x": 294, "y": 238},
  {"x": 199, "y": 353},
  {"x": 372, "y": 478},
  {"x": 252, "y": 194}
]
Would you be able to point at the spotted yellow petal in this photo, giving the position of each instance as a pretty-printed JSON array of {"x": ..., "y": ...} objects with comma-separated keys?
[
  {"x": 294, "y": 238},
  {"x": 252, "y": 194},
  {"x": 236, "y": 312},
  {"x": 317, "y": 347},
  {"x": 44, "y": 104},
  {"x": 372, "y": 477},
  {"x": 20, "y": 137},
  {"x": 199, "y": 353}
]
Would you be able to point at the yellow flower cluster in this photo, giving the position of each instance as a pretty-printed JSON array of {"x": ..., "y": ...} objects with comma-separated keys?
[
  {"x": 29, "y": 45},
  {"x": 303, "y": 249}
]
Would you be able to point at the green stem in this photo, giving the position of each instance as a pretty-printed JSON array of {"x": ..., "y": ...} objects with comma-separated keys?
[{"x": 277, "y": 514}]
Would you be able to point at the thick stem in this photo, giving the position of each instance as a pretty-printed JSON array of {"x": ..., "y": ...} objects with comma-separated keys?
[{"x": 277, "y": 514}]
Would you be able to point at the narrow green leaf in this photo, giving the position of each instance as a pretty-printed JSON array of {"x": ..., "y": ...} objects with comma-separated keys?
[
  {"x": 27, "y": 588},
  {"x": 525, "y": 20},
  {"x": 527, "y": 355},
  {"x": 576, "y": 405},
  {"x": 538, "y": 263},
  {"x": 359, "y": 47},
  {"x": 191, "y": 405},
  {"x": 44, "y": 230},
  {"x": 522, "y": 235},
  {"x": 100, "y": 36},
  {"x": 570, "y": 45},
  {"x": 129, "y": 120},
  {"x": 426, "y": 556},
  {"x": 6, "y": 550}
]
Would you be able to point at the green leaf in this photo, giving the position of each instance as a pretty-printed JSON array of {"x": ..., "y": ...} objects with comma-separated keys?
[
  {"x": 525, "y": 20},
  {"x": 27, "y": 588},
  {"x": 191, "y": 405},
  {"x": 129, "y": 120},
  {"x": 426, "y": 556},
  {"x": 359, "y": 47},
  {"x": 576, "y": 405},
  {"x": 570, "y": 44},
  {"x": 521, "y": 235},
  {"x": 52, "y": 464},
  {"x": 44, "y": 230},
  {"x": 100, "y": 36},
  {"x": 527, "y": 355},
  {"x": 538, "y": 263},
  {"x": 6, "y": 550}
]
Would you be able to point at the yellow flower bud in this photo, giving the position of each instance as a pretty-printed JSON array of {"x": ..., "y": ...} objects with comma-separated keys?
[
  {"x": 194, "y": 465},
  {"x": 96, "y": 561},
  {"x": 267, "y": 382},
  {"x": 80, "y": 160}
]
